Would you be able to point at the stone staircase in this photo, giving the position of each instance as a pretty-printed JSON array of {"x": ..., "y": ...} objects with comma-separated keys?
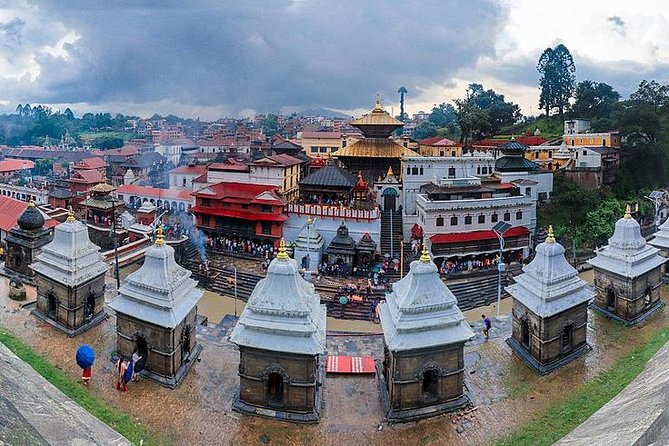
[{"x": 391, "y": 219}]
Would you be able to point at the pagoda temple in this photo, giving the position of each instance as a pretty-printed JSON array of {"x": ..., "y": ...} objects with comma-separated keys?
[
  {"x": 308, "y": 247},
  {"x": 70, "y": 276},
  {"x": 627, "y": 274},
  {"x": 365, "y": 252},
  {"x": 373, "y": 155},
  {"x": 661, "y": 241},
  {"x": 101, "y": 210},
  {"x": 513, "y": 158},
  {"x": 24, "y": 242},
  {"x": 341, "y": 249},
  {"x": 424, "y": 331},
  {"x": 156, "y": 313},
  {"x": 281, "y": 340},
  {"x": 550, "y": 310}
]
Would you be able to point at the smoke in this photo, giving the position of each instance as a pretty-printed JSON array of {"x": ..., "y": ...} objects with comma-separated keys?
[{"x": 196, "y": 237}]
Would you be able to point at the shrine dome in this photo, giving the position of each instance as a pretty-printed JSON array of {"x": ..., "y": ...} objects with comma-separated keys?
[{"x": 31, "y": 218}]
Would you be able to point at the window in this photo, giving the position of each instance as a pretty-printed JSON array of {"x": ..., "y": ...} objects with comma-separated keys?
[
  {"x": 266, "y": 227},
  {"x": 550, "y": 154},
  {"x": 484, "y": 171},
  {"x": 567, "y": 337},
  {"x": 468, "y": 219},
  {"x": 604, "y": 142},
  {"x": 440, "y": 221},
  {"x": 507, "y": 216},
  {"x": 323, "y": 149},
  {"x": 414, "y": 171},
  {"x": 454, "y": 221},
  {"x": 478, "y": 170},
  {"x": 183, "y": 182},
  {"x": 481, "y": 219},
  {"x": 421, "y": 170},
  {"x": 453, "y": 153},
  {"x": 333, "y": 149},
  {"x": 585, "y": 153},
  {"x": 451, "y": 172},
  {"x": 225, "y": 205},
  {"x": 343, "y": 144},
  {"x": 408, "y": 170},
  {"x": 206, "y": 202},
  {"x": 493, "y": 218},
  {"x": 266, "y": 208},
  {"x": 519, "y": 215},
  {"x": 314, "y": 149},
  {"x": 536, "y": 155},
  {"x": 528, "y": 191},
  {"x": 245, "y": 206},
  {"x": 205, "y": 220}
]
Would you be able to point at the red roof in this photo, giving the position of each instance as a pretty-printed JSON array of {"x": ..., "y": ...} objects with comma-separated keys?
[
  {"x": 197, "y": 169},
  {"x": 11, "y": 210},
  {"x": 236, "y": 167},
  {"x": 244, "y": 192},
  {"x": 531, "y": 140},
  {"x": 86, "y": 176},
  {"x": 154, "y": 192},
  {"x": 490, "y": 142},
  {"x": 322, "y": 135},
  {"x": 473, "y": 236},
  {"x": 280, "y": 160},
  {"x": 237, "y": 213},
  {"x": 90, "y": 163},
  {"x": 11, "y": 165}
]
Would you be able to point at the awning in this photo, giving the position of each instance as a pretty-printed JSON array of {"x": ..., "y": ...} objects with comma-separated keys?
[
  {"x": 240, "y": 214},
  {"x": 474, "y": 236}
]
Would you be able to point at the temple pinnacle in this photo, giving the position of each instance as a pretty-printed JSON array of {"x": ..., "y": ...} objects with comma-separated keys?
[
  {"x": 551, "y": 237},
  {"x": 160, "y": 240},
  {"x": 628, "y": 212},
  {"x": 425, "y": 257},
  {"x": 282, "y": 254},
  {"x": 70, "y": 215}
]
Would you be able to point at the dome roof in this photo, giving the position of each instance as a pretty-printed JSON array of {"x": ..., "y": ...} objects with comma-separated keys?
[
  {"x": 513, "y": 147},
  {"x": 31, "y": 218}
]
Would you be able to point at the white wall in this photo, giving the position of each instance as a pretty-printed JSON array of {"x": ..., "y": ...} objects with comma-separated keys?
[{"x": 328, "y": 228}]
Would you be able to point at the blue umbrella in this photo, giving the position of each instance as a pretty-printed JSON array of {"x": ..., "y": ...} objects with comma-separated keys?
[
  {"x": 343, "y": 300},
  {"x": 85, "y": 356}
]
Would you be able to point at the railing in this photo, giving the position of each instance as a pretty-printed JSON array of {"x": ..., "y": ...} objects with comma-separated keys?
[{"x": 334, "y": 212}]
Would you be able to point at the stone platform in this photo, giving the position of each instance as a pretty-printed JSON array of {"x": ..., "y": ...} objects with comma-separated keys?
[
  {"x": 640, "y": 318},
  {"x": 34, "y": 412},
  {"x": 545, "y": 369}
]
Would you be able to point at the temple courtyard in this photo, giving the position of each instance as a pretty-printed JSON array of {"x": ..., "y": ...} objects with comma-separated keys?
[{"x": 506, "y": 394}]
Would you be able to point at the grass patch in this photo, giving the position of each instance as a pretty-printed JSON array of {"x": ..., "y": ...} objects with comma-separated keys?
[
  {"x": 121, "y": 422},
  {"x": 563, "y": 416}
]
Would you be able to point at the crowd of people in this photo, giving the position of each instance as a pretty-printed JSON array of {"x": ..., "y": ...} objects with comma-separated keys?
[
  {"x": 326, "y": 200},
  {"x": 240, "y": 245},
  {"x": 452, "y": 267}
]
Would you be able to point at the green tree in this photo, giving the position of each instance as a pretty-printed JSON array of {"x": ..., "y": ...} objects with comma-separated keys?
[
  {"x": 425, "y": 129},
  {"x": 484, "y": 113},
  {"x": 471, "y": 119},
  {"x": 600, "y": 222},
  {"x": 557, "y": 80},
  {"x": 594, "y": 100},
  {"x": 444, "y": 116},
  {"x": 270, "y": 125}
]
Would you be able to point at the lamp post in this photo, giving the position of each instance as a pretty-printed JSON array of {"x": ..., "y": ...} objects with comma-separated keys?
[
  {"x": 656, "y": 197},
  {"x": 111, "y": 199},
  {"x": 499, "y": 229},
  {"x": 235, "y": 269}
]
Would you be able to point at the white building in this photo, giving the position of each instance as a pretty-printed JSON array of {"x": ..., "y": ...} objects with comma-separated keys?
[{"x": 182, "y": 177}]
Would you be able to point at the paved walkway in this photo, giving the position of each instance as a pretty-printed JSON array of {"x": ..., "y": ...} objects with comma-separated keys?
[{"x": 33, "y": 412}]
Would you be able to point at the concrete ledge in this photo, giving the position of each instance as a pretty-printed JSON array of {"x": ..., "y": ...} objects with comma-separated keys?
[
  {"x": 640, "y": 318},
  {"x": 175, "y": 380},
  {"x": 405, "y": 415},
  {"x": 638, "y": 415},
  {"x": 69, "y": 331},
  {"x": 286, "y": 415},
  {"x": 545, "y": 369}
]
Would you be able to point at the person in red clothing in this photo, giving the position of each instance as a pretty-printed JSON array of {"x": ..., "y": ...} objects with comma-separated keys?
[
  {"x": 121, "y": 367},
  {"x": 86, "y": 375}
]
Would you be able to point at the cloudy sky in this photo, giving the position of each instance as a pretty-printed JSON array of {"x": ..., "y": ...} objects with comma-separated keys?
[{"x": 230, "y": 58}]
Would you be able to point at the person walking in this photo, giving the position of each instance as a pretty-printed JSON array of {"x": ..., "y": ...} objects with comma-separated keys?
[
  {"x": 488, "y": 325},
  {"x": 86, "y": 375},
  {"x": 121, "y": 367}
]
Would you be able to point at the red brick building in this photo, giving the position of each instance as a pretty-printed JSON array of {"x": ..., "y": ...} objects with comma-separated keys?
[{"x": 252, "y": 211}]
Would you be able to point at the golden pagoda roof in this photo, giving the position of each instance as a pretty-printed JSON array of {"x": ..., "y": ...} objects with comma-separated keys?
[
  {"x": 103, "y": 188},
  {"x": 375, "y": 148},
  {"x": 378, "y": 116}
]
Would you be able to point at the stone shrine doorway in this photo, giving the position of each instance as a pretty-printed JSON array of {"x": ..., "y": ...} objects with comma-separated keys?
[
  {"x": 389, "y": 199},
  {"x": 141, "y": 346},
  {"x": 647, "y": 298},
  {"x": 610, "y": 300},
  {"x": 185, "y": 343},
  {"x": 525, "y": 333},
  {"x": 89, "y": 306},
  {"x": 275, "y": 389},
  {"x": 567, "y": 337},
  {"x": 52, "y": 305},
  {"x": 430, "y": 384}
]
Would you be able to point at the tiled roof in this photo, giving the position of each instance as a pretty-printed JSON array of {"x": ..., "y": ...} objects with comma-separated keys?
[
  {"x": 147, "y": 159},
  {"x": 11, "y": 210},
  {"x": 61, "y": 193},
  {"x": 198, "y": 169},
  {"x": 332, "y": 176},
  {"x": 90, "y": 163},
  {"x": 38, "y": 152},
  {"x": 155, "y": 192},
  {"x": 375, "y": 148},
  {"x": 238, "y": 191},
  {"x": 86, "y": 176},
  {"x": 10, "y": 165},
  {"x": 321, "y": 135},
  {"x": 438, "y": 141},
  {"x": 279, "y": 160},
  {"x": 472, "y": 236}
]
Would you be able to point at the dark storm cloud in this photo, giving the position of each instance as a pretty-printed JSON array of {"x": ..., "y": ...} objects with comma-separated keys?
[{"x": 263, "y": 55}]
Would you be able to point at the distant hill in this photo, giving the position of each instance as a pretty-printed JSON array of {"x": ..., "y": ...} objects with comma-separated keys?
[{"x": 324, "y": 112}]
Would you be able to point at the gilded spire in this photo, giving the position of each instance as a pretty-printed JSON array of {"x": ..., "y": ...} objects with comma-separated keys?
[
  {"x": 31, "y": 204},
  {"x": 160, "y": 240},
  {"x": 390, "y": 172},
  {"x": 70, "y": 215},
  {"x": 282, "y": 254},
  {"x": 425, "y": 257},
  {"x": 551, "y": 237},
  {"x": 628, "y": 212}
]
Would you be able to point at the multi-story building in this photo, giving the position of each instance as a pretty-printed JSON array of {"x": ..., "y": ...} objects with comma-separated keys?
[
  {"x": 324, "y": 144},
  {"x": 592, "y": 167},
  {"x": 577, "y": 133},
  {"x": 182, "y": 177},
  {"x": 439, "y": 146}
]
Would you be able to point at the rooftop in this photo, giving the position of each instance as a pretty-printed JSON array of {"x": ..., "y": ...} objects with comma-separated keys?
[
  {"x": 330, "y": 176},
  {"x": 147, "y": 191}
]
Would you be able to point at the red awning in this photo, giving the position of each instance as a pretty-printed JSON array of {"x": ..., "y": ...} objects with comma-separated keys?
[
  {"x": 473, "y": 236},
  {"x": 242, "y": 215}
]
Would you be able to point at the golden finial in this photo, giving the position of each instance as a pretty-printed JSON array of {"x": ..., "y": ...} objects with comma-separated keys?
[
  {"x": 31, "y": 204},
  {"x": 282, "y": 254},
  {"x": 310, "y": 220},
  {"x": 70, "y": 215},
  {"x": 551, "y": 237},
  {"x": 425, "y": 257},
  {"x": 390, "y": 172},
  {"x": 628, "y": 212},
  {"x": 160, "y": 240}
]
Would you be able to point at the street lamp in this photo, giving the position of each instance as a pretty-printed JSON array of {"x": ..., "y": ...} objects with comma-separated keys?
[
  {"x": 656, "y": 198},
  {"x": 235, "y": 269},
  {"x": 499, "y": 229},
  {"x": 111, "y": 199}
]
